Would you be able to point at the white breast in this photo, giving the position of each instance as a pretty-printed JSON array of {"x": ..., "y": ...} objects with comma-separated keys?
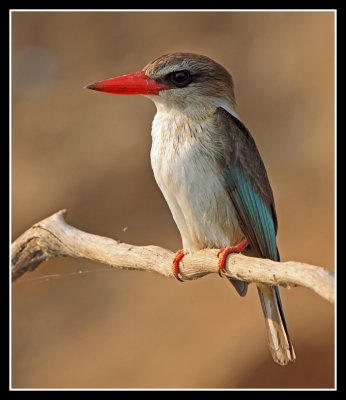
[{"x": 191, "y": 184}]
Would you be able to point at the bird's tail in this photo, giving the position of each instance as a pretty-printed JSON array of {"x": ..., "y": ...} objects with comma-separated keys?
[{"x": 280, "y": 345}]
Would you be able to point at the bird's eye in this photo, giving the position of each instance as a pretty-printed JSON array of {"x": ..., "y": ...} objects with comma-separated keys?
[{"x": 181, "y": 78}]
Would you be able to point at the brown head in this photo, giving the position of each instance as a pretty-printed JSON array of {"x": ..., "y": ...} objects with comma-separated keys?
[{"x": 176, "y": 80}]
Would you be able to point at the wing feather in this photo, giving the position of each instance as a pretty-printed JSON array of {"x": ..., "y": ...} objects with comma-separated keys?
[{"x": 247, "y": 183}]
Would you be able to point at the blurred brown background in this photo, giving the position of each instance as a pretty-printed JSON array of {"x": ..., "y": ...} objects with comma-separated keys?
[{"x": 89, "y": 152}]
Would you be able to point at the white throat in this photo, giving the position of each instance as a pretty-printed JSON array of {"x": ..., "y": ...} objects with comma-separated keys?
[{"x": 193, "y": 109}]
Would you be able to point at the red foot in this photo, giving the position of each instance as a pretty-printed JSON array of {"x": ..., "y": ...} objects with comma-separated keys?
[
  {"x": 175, "y": 268},
  {"x": 225, "y": 251}
]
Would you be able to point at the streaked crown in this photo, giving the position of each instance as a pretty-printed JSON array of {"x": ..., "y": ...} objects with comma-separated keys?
[{"x": 195, "y": 77}]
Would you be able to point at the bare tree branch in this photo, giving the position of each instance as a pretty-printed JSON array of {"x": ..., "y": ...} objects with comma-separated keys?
[{"x": 53, "y": 237}]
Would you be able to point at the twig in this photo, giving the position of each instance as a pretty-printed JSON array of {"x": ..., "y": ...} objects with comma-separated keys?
[{"x": 53, "y": 237}]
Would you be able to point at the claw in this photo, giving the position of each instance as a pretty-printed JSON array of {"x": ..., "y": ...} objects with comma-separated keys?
[
  {"x": 225, "y": 251},
  {"x": 175, "y": 268}
]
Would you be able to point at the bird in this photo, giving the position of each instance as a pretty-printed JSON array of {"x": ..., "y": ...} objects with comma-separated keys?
[{"x": 210, "y": 172}]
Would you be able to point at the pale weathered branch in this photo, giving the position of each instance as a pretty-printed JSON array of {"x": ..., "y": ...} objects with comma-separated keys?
[{"x": 53, "y": 237}]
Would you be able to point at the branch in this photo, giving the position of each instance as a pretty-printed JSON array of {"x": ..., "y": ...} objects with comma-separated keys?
[{"x": 53, "y": 237}]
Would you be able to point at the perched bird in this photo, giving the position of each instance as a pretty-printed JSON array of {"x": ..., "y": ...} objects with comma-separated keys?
[{"x": 209, "y": 170}]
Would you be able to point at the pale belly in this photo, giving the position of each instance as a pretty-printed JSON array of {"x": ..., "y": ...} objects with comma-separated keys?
[{"x": 200, "y": 205}]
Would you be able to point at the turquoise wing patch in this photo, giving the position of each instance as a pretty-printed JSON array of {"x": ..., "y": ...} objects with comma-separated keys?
[{"x": 255, "y": 219}]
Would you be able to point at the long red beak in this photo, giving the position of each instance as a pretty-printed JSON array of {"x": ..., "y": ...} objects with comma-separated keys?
[{"x": 136, "y": 83}]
